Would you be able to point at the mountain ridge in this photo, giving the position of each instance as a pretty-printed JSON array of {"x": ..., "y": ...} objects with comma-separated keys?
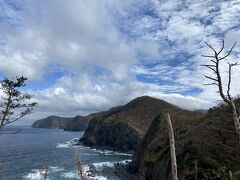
[
  {"x": 206, "y": 146},
  {"x": 123, "y": 127}
]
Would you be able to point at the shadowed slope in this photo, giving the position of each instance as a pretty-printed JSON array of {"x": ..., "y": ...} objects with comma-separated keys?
[{"x": 123, "y": 127}]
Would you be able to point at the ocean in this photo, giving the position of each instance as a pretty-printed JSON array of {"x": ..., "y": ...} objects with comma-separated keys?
[{"x": 24, "y": 151}]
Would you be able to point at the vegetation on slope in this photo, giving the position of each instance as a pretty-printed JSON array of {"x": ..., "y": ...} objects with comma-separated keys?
[
  {"x": 122, "y": 128},
  {"x": 206, "y": 147}
]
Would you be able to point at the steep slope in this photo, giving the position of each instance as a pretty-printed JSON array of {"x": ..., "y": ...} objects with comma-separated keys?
[
  {"x": 206, "y": 148},
  {"x": 123, "y": 127},
  {"x": 78, "y": 123},
  {"x": 51, "y": 122}
]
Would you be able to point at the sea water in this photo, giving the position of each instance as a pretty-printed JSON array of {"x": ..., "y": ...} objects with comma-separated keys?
[{"x": 24, "y": 151}]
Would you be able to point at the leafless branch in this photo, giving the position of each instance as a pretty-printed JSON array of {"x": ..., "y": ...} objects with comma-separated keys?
[
  {"x": 228, "y": 52},
  {"x": 225, "y": 96},
  {"x": 213, "y": 61},
  {"x": 214, "y": 79},
  {"x": 229, "y": 80},
  {"x": 207, "y": 56},
  {"x": 211, "y": 48},
  {"x": 221, "y": 48},
  {"x": 227, "y": 146},
  {"x": 210, "y": 67},
  {"x": 228, "y": 114},
  {"x": 211, "y": 84}
]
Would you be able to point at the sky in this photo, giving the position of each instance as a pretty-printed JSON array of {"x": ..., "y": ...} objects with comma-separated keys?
[{"x": 84, "y": 56}]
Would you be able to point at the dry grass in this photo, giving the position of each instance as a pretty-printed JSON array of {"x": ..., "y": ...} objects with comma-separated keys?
[
  {"x": 44, "y": 172},
  {"x": 80, "y": 168}
]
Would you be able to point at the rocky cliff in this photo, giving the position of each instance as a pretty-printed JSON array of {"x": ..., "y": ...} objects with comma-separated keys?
[
  {"x": 51, "y": 122},
  {"x": 121, "y": 128},
  {"x": 206, "y": 148},
  {"x": 78, "y": 123}
]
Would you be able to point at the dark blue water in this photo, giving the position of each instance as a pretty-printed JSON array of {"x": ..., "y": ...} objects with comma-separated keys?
[{"x": 24, "y": 149}]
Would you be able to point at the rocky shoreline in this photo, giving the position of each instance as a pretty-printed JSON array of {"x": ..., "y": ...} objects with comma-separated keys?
[
  {"x": 122, "y": 128},
  {"x": 118, "y": 171},
  {"x": 206, "y": 141}
]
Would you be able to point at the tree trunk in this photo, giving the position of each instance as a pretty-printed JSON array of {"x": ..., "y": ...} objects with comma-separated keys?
[
  {"x": 1, "y": 172},
  {"x": 236, "y": 120},
  {"x": 172, "y": 148}
]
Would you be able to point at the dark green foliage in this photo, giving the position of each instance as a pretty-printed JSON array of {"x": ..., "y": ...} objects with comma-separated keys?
[
  {"x": 237, "y": 175},
  {"x": 14, "y": 104},
  {"x": 206, "y": 147}
]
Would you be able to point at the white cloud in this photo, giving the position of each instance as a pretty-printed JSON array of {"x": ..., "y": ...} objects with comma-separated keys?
[
  {"x": 103, "y": 45},
  {"x": 75, "y": 35}
]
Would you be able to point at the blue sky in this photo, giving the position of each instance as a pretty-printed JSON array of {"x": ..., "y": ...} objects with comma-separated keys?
[{"x": 83, "y": 56}]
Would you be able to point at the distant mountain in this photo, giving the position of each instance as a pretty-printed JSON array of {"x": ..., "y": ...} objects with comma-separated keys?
[
  {"x": 51, "y": 122},
  {"x": 203, "y": 111},
  {"x": 205, "y": 146},
  {"x": 78, "y": 123},
  {"x": 122, "y": 128}
]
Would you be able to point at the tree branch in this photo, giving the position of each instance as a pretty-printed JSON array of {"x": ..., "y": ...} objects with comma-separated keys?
[
  {"x": 228, "y": 52},
  {"x": 214, "y": 61},
  {"x": 210, "y": 67},
  {"x": 221, "y": 48},
  {"x": 213, "y": 79},
  {"x": 211, "y": 84},
  {"x": 211, "y": 48},
  {"x": 229, "y": 80},
  {"x": 208, "y": 56},
  {"x": 14, "y": 99}
]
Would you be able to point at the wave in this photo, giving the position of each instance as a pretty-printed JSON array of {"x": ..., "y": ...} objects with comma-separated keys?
[
  {"x": 109, "y": 164},
  {"x": 101, "y": 165},
  {"x": 70, "y": 175},
  {"x": 73, "y": 143},
  {"x": 55, "y": 169},
  {"x": 64, "y": 145},
  {"x": 73, "y": 175},
  {"x": 111, "y": 153},
  {"x": 98, "y": 178},
  {"x": 99, "y": 169},
  {"x": 68, "y": 144},
  {"x": 37, "y": 174}
]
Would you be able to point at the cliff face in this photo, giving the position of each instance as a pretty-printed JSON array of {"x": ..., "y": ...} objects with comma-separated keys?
[
  {"x": 205, "y": 147},
  {"x": 78, "y": 123},
  {"x": 123, "y": 127},
  {"x": 51, "y": 122}
]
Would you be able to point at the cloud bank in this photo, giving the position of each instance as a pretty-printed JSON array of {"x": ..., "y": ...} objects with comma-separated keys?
[{"x": 85, "y": 56}]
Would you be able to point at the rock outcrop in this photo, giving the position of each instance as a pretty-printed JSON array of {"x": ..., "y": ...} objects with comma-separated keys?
[
  {"x": 206, "y": 148},
  {"x": 122, "y": 128}
]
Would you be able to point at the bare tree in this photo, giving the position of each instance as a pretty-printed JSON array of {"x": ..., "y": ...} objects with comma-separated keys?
[
  {"x": 14, "y": 104},
  {"x": 196, "y": 170},
  {"x": 226, "y": 96},
  {"x": 172, "y": 148},
  {"x": 1, "y": 172}
]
